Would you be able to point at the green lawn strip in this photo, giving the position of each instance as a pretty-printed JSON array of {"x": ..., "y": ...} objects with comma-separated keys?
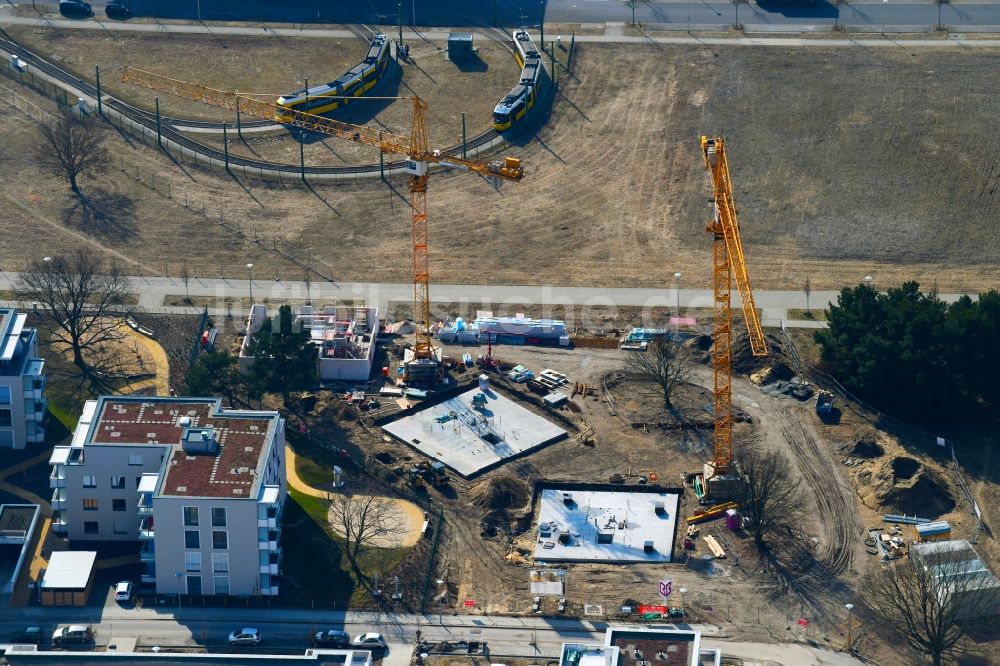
[{"x": 314, "y": 559}]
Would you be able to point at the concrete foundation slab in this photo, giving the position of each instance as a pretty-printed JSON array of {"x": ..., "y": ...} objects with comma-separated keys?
[
  {"x": 471, "y": 438},
  {"x": 606, "y": 526}
]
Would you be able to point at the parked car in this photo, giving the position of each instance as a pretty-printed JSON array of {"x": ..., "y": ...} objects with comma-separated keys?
[
  {"x": 27, "y": 635},
  {"x": 75, "y": 8},
  {"x": 332, "y": 638},
  {"x": 74, "y": 634},
  {"x": 118, "y": 10},
  {"x": 370, "y": 641},
  {"x": 123, "y": 591},
  {"x": 245, "y": 636}
]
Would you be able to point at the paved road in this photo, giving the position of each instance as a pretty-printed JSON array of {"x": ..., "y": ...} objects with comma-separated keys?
[
  {"x": 288, "y": 629},
  {"x": 502, "y": 299},
  {"x": 805, "y": 15}
]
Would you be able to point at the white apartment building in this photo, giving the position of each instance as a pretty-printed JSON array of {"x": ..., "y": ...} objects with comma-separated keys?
[
  {"x": 201, "y": 488},
  {"x": 22, "y": 384}
]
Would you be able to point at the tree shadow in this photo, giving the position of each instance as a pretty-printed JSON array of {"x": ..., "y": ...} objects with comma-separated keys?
[
  {"x": 102, "y": 213},
  {"x": 797, "y": 578}
]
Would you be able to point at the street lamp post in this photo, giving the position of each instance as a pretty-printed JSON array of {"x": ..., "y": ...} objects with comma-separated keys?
[
  {"x": 677, "y": 290},
  {"x": 250, "y": 273},
  {"x": 850, "y": 642},
  {"x": 868, "y": 281},
  {"x": 884, "y": 3},
  {"x": 683, "y": 591}
]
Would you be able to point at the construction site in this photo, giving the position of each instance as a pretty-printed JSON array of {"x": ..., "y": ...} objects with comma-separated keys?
[{"x": 535, "y": 442}]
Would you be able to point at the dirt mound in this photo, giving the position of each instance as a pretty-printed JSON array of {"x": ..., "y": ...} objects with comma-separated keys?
[
  {"x": 904, "y": 485},
  {"x": 699, "y": 342},
  {"x": 745, "y": 363},
  {"x": 501, "y": 494}
]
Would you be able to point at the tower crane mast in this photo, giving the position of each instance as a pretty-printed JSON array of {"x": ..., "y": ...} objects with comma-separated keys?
[
  {"x": 728, "y": 263},
  {"x": 414, "y": 147}
]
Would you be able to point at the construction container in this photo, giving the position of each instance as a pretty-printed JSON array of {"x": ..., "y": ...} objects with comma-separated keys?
[
  {"x": 937, "y": 531},
  {"x": 733, "y": 520},
  {"x": 460, "y": 47}
]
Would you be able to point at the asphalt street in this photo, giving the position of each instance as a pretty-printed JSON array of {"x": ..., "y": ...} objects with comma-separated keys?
[{"x": 890, "y": 16}]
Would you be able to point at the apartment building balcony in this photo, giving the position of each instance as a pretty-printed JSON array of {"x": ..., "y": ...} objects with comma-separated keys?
[
  {"x": 268, "y": 541},
  {"x": 271, "y": 523},
  {"x": 59, "y": 525},
  {"x": 57, "y": 479},
  {"x": 273, "y": 564},
  {"x": 34, "y": 410},
  {"x": 146, "y": 528},
  {"x": 59, "y": 499},
  {"x": 147, "y": 553},
  {"x": 145, "y": 504},
  {"x": 148, "y": 575}
]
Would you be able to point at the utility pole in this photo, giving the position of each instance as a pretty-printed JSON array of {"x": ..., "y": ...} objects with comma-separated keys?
[
  {"x": 98, "y": 77},
  {"x": 302, "y": 155},
  {"x": 159, "y": 140},
  {"x": 463, "y": 135},
  {"x": 399, "y": 15},
  {"x": 541, "y": 22},
  {"x": 225, "y": 144}
]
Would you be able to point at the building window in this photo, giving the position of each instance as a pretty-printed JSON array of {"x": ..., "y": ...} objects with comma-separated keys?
[
  {"x": 192, "y": 561},
  {"x": 191, "y": 516},
  {"x": 222, "y": 584},
  {"x": 138, "y": 480},
  {"x": 192, "y": 539},
  {"x": 134, "y": 459},
  {"x": 6, "y": 438},
  {"x": 5, "y": 420},
  {"x": 90, "y": 504},
  {"x": 261, "y": 534},
  {"x": 265, "y": 582},
  {"x": 4, "y": 395},
  {"x": 220, "y": 540},
  {"x": 118, "y": 482},
  {"x": 90, "y": 527},
  {"x": 90, "y": 482},
  {"x": 218, "y": 517},
  {"x": 194, "y": 584},
  {"x": 220, "y": 562},
  {"x": 118, "y": 505},
  {"x": 118, "y": 528}
]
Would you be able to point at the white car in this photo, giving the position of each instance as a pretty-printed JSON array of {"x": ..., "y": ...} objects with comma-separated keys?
[
  {"x": 123, "y": 591},
  {"x": 245, "y": 636},
  {"x": 370, "y": 641}
]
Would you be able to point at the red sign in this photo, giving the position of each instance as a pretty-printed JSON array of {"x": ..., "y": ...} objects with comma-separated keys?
[
  {"x": 803, "y": 623},
  {"x": 662, "y": 610},
  {"x": 469, "y": 603}
]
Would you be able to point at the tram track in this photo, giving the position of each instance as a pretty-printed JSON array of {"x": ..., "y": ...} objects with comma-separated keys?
[{"x": 172, "y": 130}]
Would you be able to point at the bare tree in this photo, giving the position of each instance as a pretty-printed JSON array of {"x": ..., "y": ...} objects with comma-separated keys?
[
  {"x": 933, "y": 613},
  {"x": 74, "y": 145},
  {"x": 83, "y": 297},
  {"x": 186, "y": 279},
  {"x": 666, "y": 364},
  {"x": 768, "y": 496},
  {"x": 808, "y": 289},
  {"x": 306, "y": 277},
  {"x": 365, "y": 521}
]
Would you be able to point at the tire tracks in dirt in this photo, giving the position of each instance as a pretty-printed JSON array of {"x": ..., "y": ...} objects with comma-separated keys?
[{"x": 831, "y": 494}]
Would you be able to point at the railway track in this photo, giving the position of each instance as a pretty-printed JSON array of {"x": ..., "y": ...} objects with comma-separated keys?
[{"x": 172, "y": 129}]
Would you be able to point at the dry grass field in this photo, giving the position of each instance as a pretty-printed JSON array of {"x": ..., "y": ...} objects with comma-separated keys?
[
  {"x": 268, "y": 67},
  {"x": 846, "y": 162}
]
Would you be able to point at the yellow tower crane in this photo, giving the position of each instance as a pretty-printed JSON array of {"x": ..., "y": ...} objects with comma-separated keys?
[
  {"x": 728, "y": 263},
  {"x": 418, "y": 158}
]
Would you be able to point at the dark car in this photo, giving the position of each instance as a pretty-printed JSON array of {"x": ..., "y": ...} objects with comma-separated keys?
[
  {"x": 27, "y": 635},
  {"x": 75, "y": 634},
  {"x": 332, "y": 638},
  {"x": 75, "y": 8},
  {"x": 118, "y": 10}
]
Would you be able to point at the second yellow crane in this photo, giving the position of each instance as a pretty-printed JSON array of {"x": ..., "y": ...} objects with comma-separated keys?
[
  {"x": 422, "y": 367},
  {"x": 728, "y": 263}
]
